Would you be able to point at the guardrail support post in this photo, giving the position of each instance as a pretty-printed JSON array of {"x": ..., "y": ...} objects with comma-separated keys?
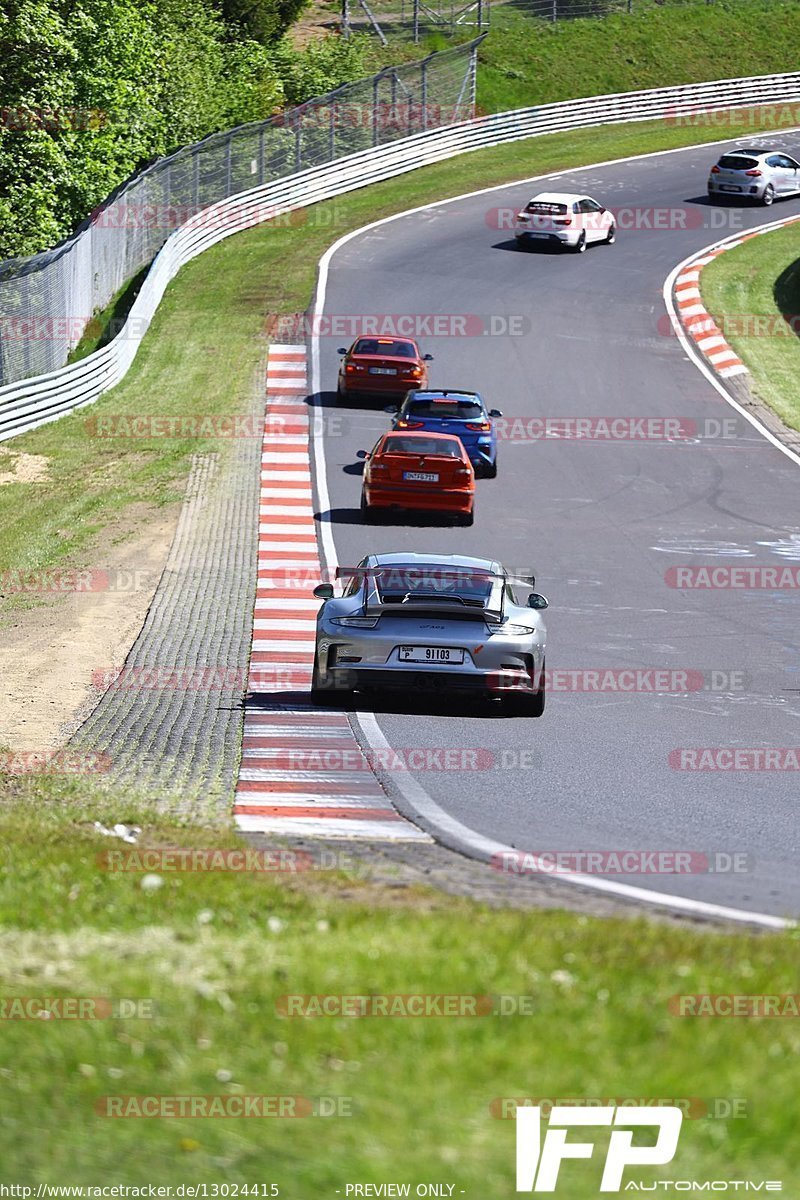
[{"x": 375, "y": 95}]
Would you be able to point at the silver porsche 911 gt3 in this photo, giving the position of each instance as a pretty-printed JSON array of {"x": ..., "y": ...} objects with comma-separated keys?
[{"x": 419, "y": 621}]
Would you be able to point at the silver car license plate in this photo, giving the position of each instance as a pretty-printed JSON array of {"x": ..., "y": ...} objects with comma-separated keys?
[
  {"x": 421, "y": 476},
  {"x": 383, "y": 370},
  {"x": 430, "y": 654},
  {"x": 729, "y": 187}
]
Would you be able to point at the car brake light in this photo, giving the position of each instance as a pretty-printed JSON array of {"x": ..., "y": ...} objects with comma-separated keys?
[
  {"x": 483, "y": 426},
  {"x": 715, "y": 170},
  {"x": 562, "y": 220},
  {"x": 415, "y": 372},
  {"x": 752, "y": 174},
  {"x": 463, "y": 473},
  {"x": 352, "y": 368},
  {"x": 410, "y": 424},
  {"x": 374, "y": 468}
]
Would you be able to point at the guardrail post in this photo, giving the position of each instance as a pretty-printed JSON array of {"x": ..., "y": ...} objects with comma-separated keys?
[
  {"x": 554, "y": 16},
  {"x": 298, "y": 150},
  {"x": 228, "y": 151},
  {"x": 416, "y": 20},
  {"x": 423, "y": 91},
  {"x": 261, "y": 155},
  {"x": 375, "y": 93},
  {"x": 196, "y": 180}
]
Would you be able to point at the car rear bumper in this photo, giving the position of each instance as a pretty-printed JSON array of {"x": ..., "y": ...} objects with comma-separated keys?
[
  {"x": 524, "y": 235},
  {"x": 378, "y": 385},
  {"x": 732, "y": 188},
  {"x": 412, "y": 678},
  {"x": 446, "y": 500}
]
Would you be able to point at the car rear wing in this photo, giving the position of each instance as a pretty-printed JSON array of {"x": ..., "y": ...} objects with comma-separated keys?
[{"x": 401, "y": 593}]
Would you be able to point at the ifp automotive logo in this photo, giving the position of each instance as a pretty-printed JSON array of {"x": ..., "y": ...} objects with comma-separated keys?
[{"x": 538, "y": 1161}]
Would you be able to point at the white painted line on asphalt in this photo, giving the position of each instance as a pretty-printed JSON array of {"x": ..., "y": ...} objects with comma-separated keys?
[{"x": 487, "y": 848}]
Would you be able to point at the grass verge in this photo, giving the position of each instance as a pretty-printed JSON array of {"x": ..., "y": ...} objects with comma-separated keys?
[
  {"x": 215, "y": 952},
  {"x": 753, "y": 293},
  {"x": 527, "y": 60}
]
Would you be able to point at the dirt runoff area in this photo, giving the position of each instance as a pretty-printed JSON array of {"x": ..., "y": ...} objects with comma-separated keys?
[{"x": 63, "y": 631}]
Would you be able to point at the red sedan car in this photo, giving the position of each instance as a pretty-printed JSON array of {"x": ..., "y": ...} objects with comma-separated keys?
[
  {"x": 426, "y": 472},
  {"x": 385, "y": 365}
]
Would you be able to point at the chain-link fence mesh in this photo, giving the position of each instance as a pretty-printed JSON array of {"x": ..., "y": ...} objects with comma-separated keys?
[{"x": 47, "y": 300}]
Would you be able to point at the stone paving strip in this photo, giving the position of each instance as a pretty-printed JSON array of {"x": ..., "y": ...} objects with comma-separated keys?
[
  {"x": 302, "y": 771},
  {"x": 172, "y": 721}
]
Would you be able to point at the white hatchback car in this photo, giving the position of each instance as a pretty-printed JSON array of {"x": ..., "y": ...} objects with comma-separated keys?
[{"x": 574, "y": 221}]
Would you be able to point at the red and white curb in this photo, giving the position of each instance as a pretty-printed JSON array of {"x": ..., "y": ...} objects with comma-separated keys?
[
  {"x": 697, "y": 322},
  {"x": 302, "y": 771}
]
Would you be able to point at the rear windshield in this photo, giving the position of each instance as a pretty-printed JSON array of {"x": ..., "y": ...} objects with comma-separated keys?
[
  {"x": 443, "y": 447},
  {"x": 467, "y": 410},
  {"x": 735, "y": 162},
  {"x": 546, "y": 207},
  {"x": 432, "y": 580},
  {"x": 389, "y": 346}
]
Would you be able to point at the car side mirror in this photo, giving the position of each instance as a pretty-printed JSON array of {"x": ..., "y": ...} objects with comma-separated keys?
[
  {"x": 427, "y": 358},
  {"x": 535, "y": 601},
  {"x": 361, "y": 454},
  {"x": 324, "y": 591},
  {"x": 391, "y": 409},
  {"x": 495, "y": 412},
  {"x": 341, "y": 350}
]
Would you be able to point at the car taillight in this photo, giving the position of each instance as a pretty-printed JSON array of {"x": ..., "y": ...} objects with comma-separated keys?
[
  {"x": 463, "y": 473},
  {"x": 483, "y": 426},
  {"x": 375, "y": 468},
  {"x": 415, "y": 372},
  {"x": 562, "y": 220},
  {"x": 352, "y": 368},
  {"x": 410, "y": 424},
  {"x": 715, "y": 170},
  {"x": 752, "y": 174}
]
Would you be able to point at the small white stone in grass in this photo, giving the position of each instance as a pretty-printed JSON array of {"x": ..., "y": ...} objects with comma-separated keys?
[
  {"x": 280, "y": 1049},
  {"x": 683, "y": 969},
  {"x": 114, "y": 1072},
  {"x": 87, "y": 1070},
  {"x": 224, "y": 1076},
  {"x": 322, "y": 926},
  {"x": 205, "y": 916},
  {"x": 274, "y": 924},
  {"x": 151, "y": 883},
  {"x": 563, "y": 978},
  {"x": 203, "y": 1043}
]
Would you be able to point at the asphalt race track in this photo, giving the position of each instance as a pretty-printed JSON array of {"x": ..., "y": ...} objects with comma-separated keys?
[{"x": 600, "y": 523}]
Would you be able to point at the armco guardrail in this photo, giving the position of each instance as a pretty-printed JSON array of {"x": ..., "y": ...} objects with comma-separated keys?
[{"x": 34, "y": 401}]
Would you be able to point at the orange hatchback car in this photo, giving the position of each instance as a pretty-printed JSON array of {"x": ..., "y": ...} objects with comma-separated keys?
[
  {"x": 382, "y": 365},
  {"x": 425, "y": 472}
]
